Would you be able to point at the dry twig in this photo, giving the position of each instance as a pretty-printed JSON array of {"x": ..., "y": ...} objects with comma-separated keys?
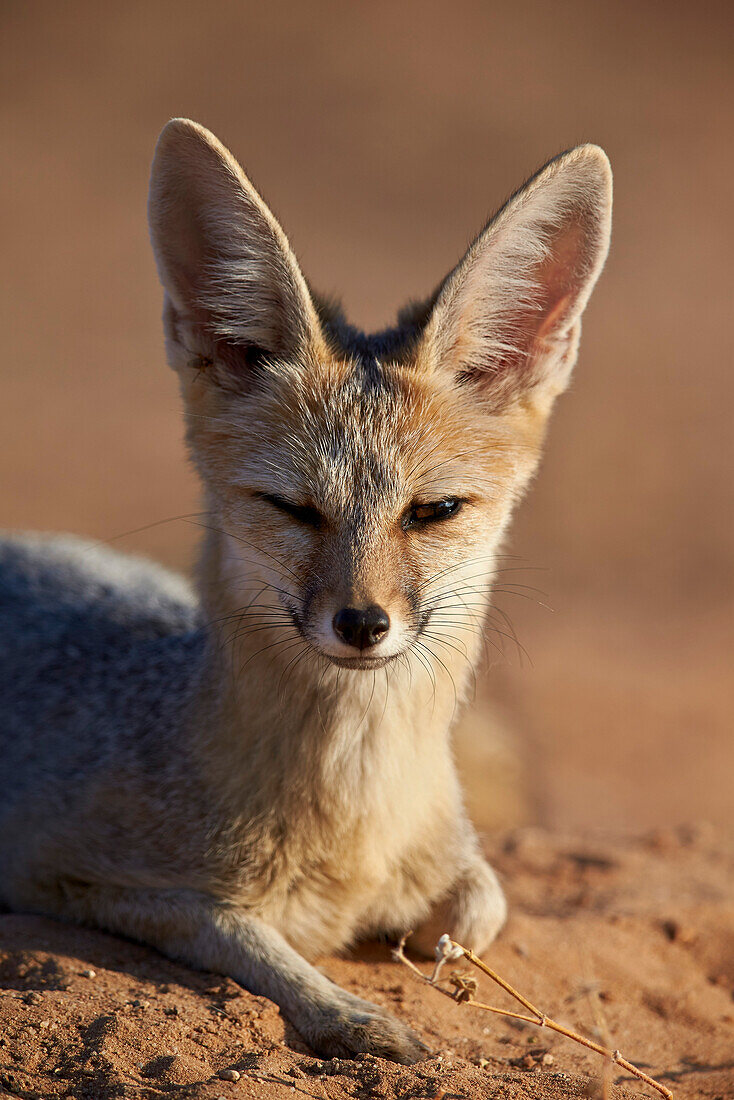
[{"x": 447, "y": 950}]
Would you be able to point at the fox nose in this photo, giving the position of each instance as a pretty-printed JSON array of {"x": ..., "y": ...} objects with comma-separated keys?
[{"x": 361, "y": 628}]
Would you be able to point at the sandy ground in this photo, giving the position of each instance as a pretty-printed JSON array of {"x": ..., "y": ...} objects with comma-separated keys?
[
  {"x": 383, "y": 135},
  {"x": 630, "y": 943}
]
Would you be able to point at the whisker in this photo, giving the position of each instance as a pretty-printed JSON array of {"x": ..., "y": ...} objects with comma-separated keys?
[
  {"x": 216, "y": 419},
  {"x": 369, "y": 704},
  {"x": 424, "y": 645},
  {"x": 427, "y": 665},
  {"x": 510, "y": 626},
  {"x": 252, "y": 545},
  {"x": 290, "y": 667},
  {"x": 464, "y": 656},
  {"x": 264, "y": 649},
  {"x": 147, "y": 527}
]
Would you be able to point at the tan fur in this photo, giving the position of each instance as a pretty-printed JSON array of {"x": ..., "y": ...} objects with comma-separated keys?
[{"x": 311, "y": 794}]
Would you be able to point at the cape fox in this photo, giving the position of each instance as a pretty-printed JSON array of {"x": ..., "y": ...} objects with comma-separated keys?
[{"x": 257, "y": 771}]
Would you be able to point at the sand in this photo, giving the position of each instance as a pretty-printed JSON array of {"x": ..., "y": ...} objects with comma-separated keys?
[{"x": 629, "y": 942}]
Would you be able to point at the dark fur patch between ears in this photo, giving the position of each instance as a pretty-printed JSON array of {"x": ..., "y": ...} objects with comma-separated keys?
[
  {"x": 395, "y": 344},
  {"x": 398, "y": 344}
]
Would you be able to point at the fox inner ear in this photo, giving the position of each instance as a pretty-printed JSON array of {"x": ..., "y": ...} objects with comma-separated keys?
[
  {"x": 507, "y": 318},
  {"x": 234, "y": 291}
]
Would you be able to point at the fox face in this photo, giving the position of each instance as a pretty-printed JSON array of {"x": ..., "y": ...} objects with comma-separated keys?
[
  {"x": 360, "y": 485},
  {"x": 367, "y": 501}
]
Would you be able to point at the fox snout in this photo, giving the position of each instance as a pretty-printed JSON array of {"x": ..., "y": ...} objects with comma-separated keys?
[
  {"x": 361, "y": 637},
  {"x": 358, "y": 629},
  {"x": 361, "y": 628}
]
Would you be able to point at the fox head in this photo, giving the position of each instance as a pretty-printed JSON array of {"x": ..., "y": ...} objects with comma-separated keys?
[{"x": 360, "y": 485}]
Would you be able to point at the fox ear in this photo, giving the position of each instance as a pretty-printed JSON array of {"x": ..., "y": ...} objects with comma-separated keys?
[
  {"x": 507, "y": 318},
  {"x": 234, "y": 291}
]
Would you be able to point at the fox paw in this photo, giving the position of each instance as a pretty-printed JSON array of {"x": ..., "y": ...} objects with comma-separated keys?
[
  {"x": 472, "y": 913},
  {"x": 358, "y": 1027}
]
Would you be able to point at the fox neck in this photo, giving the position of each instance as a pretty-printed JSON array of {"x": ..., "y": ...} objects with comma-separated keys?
[{"x": 300, "y": 728}]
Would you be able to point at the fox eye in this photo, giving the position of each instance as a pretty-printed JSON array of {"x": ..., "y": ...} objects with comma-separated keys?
[
  {"x": 311, "y": 517},
  {"x": 421, "y": 514}
]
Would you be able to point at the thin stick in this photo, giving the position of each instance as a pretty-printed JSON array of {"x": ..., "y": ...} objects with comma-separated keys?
[{"x": 448, "y": 950}]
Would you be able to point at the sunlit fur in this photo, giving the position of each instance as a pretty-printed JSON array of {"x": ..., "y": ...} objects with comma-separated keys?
[{"x": 221, "y": 775}]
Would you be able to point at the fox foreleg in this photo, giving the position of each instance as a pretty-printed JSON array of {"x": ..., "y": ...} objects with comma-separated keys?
[{"x": 211, "y": 935}]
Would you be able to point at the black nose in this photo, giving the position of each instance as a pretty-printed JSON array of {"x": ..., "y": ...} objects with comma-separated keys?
[{"x": 361, "y": 628}]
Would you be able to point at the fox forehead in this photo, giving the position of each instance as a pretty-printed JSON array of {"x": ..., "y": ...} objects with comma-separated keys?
[{"x": 337, "y": 431}]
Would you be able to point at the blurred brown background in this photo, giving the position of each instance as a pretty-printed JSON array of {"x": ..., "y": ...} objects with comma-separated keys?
[{"x": 383, "y": 135}]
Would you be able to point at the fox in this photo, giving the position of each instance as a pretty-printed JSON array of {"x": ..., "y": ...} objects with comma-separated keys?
[{"x": 253, "y": 770}]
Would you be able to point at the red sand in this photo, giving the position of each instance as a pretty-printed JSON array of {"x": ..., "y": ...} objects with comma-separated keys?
[{"x": 648, "y": 925}]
